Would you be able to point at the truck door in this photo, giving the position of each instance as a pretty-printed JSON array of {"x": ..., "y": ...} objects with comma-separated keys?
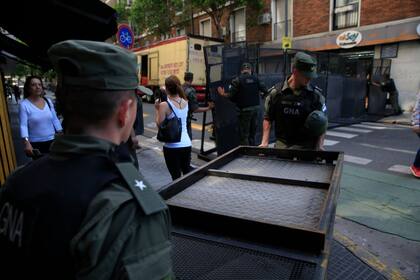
[{"x": 154, "y": 68}]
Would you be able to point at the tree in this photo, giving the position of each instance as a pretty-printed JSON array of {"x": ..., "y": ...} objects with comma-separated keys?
[
  {"x": 123, "y": 11},
  {"x": 214, "y": 8},
  {"x": 159, "y": 16},
  {"x": 154, "y": 16}
]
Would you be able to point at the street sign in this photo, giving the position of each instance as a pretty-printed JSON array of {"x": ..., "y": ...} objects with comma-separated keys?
[
  {"x": 286, "y": 42},
  {"x": 125, "y": 36}
]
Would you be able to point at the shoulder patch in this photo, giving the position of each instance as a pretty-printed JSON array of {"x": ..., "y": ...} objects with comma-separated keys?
[{"x": 149, "y": 200}]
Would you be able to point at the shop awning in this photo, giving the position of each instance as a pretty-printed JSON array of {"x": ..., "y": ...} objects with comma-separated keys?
[{"x": 38, "y": 24}]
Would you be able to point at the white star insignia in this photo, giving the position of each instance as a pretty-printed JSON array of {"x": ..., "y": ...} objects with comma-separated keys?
[{"x": 140, "y": 185}]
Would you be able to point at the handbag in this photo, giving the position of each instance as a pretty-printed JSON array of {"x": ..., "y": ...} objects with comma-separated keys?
[{"x": 170, "y": 130}]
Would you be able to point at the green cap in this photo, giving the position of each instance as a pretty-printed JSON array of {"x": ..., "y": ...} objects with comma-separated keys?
[
  {"x": 188, "y": 76},
  {"x": 316, "y": 123},
  {"x": 95, "y": 65},
  {"x": 305, "y": 64},
  {"x": 246, "y": 66}
]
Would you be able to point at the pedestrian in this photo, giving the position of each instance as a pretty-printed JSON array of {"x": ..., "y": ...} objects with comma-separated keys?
[
  {"x": 16, "y": 92},
  {"x": 77, "y": 213},
  {"x": 388, "y": 85},
  {"x": 193, "y": 106},
  {"x": 415, "y": 167},
  {"x": 38, "y": 120},
  {"x": 297, "y": 108},
  {"x": 177, "y": 155},
  {"x": 244, "y": 91}
]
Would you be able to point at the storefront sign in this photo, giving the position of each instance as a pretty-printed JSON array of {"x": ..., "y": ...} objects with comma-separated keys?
[
  {"x": 125, "y": 36},
  {"x": 349, "y": 39},
  {"x": 418, "y": 29}
]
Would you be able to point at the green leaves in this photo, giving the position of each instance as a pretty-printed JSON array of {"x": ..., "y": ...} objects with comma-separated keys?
[{"x": 158, "y": 17}]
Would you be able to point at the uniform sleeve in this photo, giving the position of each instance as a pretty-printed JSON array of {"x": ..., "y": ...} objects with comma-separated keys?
[
  {"x": 118, "y": 241},
  {"x": 268, "y": 105},
  {"x": 23, "y": 120},
  {"x": 320, "y": 103},
  {"x": 233, "y": 88},
  {"x": 192, "y": 100}
]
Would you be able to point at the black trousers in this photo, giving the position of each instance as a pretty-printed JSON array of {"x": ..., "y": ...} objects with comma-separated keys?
[
  {"x": 177, "y": 160},
  {"x": 43, "y": 147}
]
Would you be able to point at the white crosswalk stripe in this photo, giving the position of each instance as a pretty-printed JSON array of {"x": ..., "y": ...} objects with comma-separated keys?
[
  {"x": 328, "y": 142},
  {"x": 341, "y": 134},
  {"x": 369, "y": 126},
  {"x": 400, "y": 169},
  {"x": 353, "y": 129},
  {"x": 357, "y": 160}
]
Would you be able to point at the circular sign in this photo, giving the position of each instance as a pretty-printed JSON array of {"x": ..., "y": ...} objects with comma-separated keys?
[
  {"x": 349, "y": 39},
  {"x": 125, "y": 36},
  {"x": 418, "y": 29}
]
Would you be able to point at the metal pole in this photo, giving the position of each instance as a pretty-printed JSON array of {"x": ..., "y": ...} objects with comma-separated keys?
[{"x": 286, "y": 12}]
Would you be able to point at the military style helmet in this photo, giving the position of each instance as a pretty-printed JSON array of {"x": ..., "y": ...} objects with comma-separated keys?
[{"x": 316, "y": 123}]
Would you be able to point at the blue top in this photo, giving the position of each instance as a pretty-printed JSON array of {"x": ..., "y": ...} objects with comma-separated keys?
[
  {"x": 185, "y": 138},
  {"x": 36, "y": 124}
]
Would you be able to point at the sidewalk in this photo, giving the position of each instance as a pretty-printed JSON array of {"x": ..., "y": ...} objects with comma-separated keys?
[{"x": 403, "y": 119}]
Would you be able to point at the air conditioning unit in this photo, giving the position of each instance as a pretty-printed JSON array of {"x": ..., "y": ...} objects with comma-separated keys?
[{"x": 264, "y": 18}]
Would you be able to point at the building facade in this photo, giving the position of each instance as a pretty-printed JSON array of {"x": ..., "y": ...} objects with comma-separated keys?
[{"x": 380, "y": 36}]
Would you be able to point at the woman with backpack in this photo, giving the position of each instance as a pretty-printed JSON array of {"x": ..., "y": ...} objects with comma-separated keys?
[{"x": 177, "y": 154}]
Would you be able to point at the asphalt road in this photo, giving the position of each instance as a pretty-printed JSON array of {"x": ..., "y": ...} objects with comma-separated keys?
[{"x": 376, "y": 146}]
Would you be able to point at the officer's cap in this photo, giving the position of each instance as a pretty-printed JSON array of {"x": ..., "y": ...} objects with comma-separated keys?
[
  {"x": 246, "y": 66},
  {"x": 305, "y": 64},
  {"x": 188, "y": 76},
  {"x": 94, "y": 65}
]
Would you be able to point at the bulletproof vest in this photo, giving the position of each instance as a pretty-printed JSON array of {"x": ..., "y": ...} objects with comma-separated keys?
[
  {"x": 248, "y": 92},
  {"x": 42, "y": 209},
  {"x": 291, "y": 111}
]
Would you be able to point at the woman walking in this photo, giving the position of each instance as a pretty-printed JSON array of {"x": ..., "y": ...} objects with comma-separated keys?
[
  {"x": 177, "y": 155},
  {"x": 38, "y": 119}
]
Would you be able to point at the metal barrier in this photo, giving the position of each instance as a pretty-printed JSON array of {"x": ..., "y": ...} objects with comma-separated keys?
[{"x": 344, "y": 90}]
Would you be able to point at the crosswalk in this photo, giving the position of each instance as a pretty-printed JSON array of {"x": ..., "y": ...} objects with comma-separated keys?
[
  {"x": 336, "y": 135},
  {"x": 333, "y": 138}
]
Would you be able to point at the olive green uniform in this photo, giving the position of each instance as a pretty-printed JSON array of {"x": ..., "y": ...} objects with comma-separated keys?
[
  {"x": 289, "y": 109},
  {"x": 244, "y": 91}
]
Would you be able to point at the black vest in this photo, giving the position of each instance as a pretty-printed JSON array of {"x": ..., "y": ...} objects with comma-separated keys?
[
  {"x": 42, "y": 209},
  {"x": 248, "y": 92},
  {"x": 291, "y": 112}
]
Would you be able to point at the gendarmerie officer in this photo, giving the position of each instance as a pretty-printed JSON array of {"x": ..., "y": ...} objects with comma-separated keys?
[
  {"x": 244, "y": 91},
  {"x": 297, "y": 109},
  {"x": 78, "y": 213},
  {"x": 193, "y": 105}
]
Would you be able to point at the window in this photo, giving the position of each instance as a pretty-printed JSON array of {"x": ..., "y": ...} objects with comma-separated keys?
[
  {"x": 180, "y": 31},
  {"x": 346, "y": 14},
  {"x": 238, "y": 26},
  {"x": 279, "y": 18},
  {"x": 205, "y": 27}
]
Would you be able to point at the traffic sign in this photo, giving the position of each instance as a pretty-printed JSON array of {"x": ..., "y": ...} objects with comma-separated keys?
[
  {"x": 125, "y": 36},
  {"x": 286, "y": 42}
]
